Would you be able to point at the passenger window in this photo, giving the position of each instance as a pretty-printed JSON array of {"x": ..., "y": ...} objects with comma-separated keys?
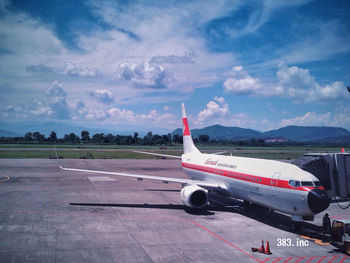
[
  {"x": 297, "y": 184},
  {"x": 292, "y": 183}
]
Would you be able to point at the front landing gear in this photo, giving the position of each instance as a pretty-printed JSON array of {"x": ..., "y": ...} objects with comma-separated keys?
[{"x": 296, "y": 224}]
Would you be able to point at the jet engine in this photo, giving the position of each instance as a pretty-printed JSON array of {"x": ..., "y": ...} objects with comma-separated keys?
[{"x": 194, "y": 196}]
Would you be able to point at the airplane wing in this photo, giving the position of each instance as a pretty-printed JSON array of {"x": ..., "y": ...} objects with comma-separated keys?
[
  {"x": 204, "y": 184},
  {"x": 160, "y": 154}
]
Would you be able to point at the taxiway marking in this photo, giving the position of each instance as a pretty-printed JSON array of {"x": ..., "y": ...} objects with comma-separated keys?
[
  {"x": 221, "y": 238},
  {"x": 316, "y": 240}
]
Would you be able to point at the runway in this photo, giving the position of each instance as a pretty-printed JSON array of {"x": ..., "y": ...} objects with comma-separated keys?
[{"x": 49, "y": 215}]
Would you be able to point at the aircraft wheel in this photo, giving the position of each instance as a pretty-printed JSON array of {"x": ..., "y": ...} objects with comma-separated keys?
[
  {"x": 247, "y": 203},
  {"x": 347, "y": 249},
  {"x": 295, "y": 227}
]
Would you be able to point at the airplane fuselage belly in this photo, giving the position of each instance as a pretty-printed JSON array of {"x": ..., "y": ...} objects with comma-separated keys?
[{"x": 289, "y": 201}]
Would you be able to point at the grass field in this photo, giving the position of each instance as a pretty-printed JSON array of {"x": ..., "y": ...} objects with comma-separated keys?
[{"x": 126, "y": 152}]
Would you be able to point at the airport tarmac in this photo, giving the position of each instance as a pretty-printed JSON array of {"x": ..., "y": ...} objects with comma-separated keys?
[{"x": 49, "y": 215}]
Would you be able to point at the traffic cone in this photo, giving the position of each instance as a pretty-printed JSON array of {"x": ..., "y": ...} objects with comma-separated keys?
[
  {"x": 342, "y": 150},
  {"x": 267, "y": 250},
  {"x": 262, "y": 249}
]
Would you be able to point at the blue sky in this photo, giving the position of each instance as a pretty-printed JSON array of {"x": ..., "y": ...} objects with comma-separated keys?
[{"x": 129, "y": 64}]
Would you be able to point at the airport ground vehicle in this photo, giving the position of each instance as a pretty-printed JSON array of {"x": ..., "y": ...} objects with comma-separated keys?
[{"x": 340, "y": 234}]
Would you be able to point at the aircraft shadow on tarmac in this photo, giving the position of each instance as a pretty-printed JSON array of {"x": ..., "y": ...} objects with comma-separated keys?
[
  {"x": 224, "y": 204},
  {"x": 155, "y": 206}
]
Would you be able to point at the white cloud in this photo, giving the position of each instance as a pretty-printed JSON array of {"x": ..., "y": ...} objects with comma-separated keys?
[
  {"x": 56, "y": 100},
  {"x": 143, "y": 74},
  {"x": 261, "y": 16},
  {"x": 240, "y": 82},
  {"x": 308, "y": 119},
  {"x": 217, "y": 112},
  {"x": 216, "y": 108},
  {"x": 327, "y": 40},
  {"x": 74, "y": 70},
  {"x": 149, "y": 45},
  {"x": 298, "y": 84},
  {"x": 104, "y": 96},
  {"x": 117, "y": 115},
  {"x": 293, "y": 82},
  {"x": 173, "y": 59},
  {"x": 340, "y": 117},
  {"x": 53, "y": 106}
]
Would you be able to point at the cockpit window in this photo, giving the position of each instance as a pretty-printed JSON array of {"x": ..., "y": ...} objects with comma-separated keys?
[
  {"x": 317, "y": 183},
  {"x": 307, "y": 183},
  {"x": 294, "y": 183}
]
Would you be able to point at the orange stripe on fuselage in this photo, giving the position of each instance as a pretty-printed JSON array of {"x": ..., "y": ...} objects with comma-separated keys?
[{"x": 246, "y": 177}]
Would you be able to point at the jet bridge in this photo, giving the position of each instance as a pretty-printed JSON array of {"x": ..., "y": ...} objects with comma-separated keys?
[{"x": 333, "y": 171}]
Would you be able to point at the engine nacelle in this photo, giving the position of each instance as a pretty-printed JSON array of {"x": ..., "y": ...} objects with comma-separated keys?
[{"x": 194, "y": 196}]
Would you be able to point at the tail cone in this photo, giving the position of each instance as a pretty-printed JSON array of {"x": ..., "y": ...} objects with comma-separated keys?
[
  {"x": 262, "y": 249},
  {"x": 267, "y": 250}
]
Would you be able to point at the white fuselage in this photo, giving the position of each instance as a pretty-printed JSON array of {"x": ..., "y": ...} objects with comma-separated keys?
[{"x": 260, "y": 181}]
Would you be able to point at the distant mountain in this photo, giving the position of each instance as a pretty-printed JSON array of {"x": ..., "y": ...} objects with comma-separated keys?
[
  {"x": 6, "y": 133},
  {"x": 219, "y": 132},
  {"x": 289, "y": 133},
  {"x": 306, "y": 133}
]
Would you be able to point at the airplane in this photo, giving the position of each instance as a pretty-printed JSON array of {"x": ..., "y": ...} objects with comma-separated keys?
[{"x": 276, "y": 185}]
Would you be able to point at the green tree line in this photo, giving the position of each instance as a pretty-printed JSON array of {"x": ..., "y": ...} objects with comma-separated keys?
[
  {"x": 97, "y": 138},
  {"x": 148, "y": 139}
]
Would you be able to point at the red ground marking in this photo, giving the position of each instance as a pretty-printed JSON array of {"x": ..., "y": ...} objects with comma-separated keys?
[
  {"x": 276, "y": 260},
  {"x": 300, "y": 259},
  {"x": 322, "y": 258},
  {"x": 333, "y": 258},
  {"x": 288, "y": 259},
  {"x": 341, "y": 261},
  {"x": 312, "y": 258},
  {"x": 229, "y": 243}
]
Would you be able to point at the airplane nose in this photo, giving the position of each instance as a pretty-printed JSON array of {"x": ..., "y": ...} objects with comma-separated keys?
[{"x": 318, "y": 200}]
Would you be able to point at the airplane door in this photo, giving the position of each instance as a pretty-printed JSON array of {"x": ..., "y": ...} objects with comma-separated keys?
[{"x": 273, "y": 183}]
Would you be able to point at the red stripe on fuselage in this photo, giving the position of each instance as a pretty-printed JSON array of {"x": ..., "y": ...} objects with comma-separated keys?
[{"x": 246, "y": 177}]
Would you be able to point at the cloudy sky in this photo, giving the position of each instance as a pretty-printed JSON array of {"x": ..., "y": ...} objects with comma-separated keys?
[{"x": 126, "y": 64}]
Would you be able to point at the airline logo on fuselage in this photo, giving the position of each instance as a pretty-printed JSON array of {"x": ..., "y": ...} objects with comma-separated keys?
[{"x": 216, "y": 162}]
